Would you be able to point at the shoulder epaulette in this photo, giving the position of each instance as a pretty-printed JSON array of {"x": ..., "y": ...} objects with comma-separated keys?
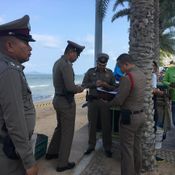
[
  {"x": 108, "y": 69},
  {"x": 5, "y": 64}
]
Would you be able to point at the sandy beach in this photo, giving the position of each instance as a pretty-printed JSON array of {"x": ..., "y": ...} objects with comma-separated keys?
[
  {"x": 46, "y": 117},
  {"x": 46, "y": 122}
]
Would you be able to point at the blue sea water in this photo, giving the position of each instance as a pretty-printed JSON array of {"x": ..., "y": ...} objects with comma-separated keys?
[{"x": 41, "y": 85}]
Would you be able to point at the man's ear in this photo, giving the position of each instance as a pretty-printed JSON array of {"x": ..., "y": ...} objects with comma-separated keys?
[{"x": 9, "y": 46}]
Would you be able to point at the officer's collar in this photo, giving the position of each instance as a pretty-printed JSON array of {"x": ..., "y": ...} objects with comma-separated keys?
[
  {"x": 66, "y": 59},
  {"x": 132, "y": 68},
  {"x": 97, "y": 70},
  {"x": 11, "y": 61}
]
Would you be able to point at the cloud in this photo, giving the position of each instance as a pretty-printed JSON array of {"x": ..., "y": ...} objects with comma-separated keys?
[
  {"x": 1, "y": 20},
  {"x": 47, "y": 40},
  {"x": 89, "y": 45},
  {"x": 90, "y": 39},
  {"x": 89, "y": 52}
]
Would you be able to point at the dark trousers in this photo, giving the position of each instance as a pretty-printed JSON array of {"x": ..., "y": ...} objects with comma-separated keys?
[
  {"x": 173, "y": 111},
  {"x": 10, "y": 167},
  {"x": 130, "y": 142},
  {"x": 62, "y": 138},
  {"x": 97, "y": 109}
]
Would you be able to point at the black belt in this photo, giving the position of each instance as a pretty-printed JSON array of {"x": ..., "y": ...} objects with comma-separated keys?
[
  {"x": 62, "y": 95},
  {"x": 137, "y": 112}
]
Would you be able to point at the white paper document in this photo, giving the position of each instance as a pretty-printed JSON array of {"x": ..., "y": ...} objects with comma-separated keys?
[{"x": 109, "y": 92}]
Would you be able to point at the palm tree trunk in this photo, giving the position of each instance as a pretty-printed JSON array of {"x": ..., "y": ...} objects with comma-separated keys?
[
  {"x": 157, "y": 33},
  {"x": 142, "y": 39}
]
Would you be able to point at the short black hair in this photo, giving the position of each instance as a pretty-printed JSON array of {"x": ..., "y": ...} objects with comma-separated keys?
[
  {"x": 125, "y": 58},
  {"x": 155, "y": 64}
]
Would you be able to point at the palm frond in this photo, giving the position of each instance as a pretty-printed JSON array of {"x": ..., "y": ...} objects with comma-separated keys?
[
  {"x": 169, "y": 35},
  {"x": 167, "y": 42},
  {"x": 119, "y": 2},
  {"x": 169, "y": 24},
  {"x": 163, "y": 55},
  {"x": 167, "y": 11},
  {"x": 102, "y": 8},
  {"x": 121, "y": 13}
]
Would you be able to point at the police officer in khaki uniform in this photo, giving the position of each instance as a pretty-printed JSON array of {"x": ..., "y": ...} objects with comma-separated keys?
[
  {"x": 131, "y": 101},
  {"x": 64, "y": 104},
  {"x": 17, "y": 112},
  {"x": 99, "y": 76}
]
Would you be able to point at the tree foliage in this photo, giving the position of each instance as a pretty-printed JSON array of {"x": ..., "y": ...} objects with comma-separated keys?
[
  {"x": 102, "y": 7},
  {"x": 166, "y": 22}
]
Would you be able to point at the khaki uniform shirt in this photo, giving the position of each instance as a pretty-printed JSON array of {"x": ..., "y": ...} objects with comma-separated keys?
[
  {"x": 92, "y": 75},
  {"x": 17, "y": 112},
  {"x": 63, "y": 76},
  {"x": 127, "y": 98}
]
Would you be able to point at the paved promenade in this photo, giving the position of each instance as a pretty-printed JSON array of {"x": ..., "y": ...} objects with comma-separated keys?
[{"x": 98, "y": 164}]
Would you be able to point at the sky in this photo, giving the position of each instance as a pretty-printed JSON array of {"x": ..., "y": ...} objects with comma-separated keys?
[{"x": 53, "y": 22}]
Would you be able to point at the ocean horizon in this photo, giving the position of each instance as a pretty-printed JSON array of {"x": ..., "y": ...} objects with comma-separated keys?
[{"x": 41, "y": 85}]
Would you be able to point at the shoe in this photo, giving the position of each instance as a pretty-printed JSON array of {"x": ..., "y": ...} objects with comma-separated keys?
[
  {"x": 69, "y": 166},
  {"x": 108, "y": 153},
  {"x": 164, "y": 135},
  {"x": 89, "y": 151},
  {"x": 159, "y": 158},
  {"x": 51, "y": 156}
]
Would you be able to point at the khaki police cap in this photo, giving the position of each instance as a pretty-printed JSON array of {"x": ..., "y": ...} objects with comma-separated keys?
[
  {"x": 102, "y": 58},
  {"x": 75, "y": 47},
  {"x": 19, "y": 28}
]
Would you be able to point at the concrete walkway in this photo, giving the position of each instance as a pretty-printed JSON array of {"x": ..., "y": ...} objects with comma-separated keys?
[
  {"x": 167, "y": 152},
  {"x": 98, "y": 164},
  {"x": 78, "y": 147},
  {"x": 95, "y": 164}
]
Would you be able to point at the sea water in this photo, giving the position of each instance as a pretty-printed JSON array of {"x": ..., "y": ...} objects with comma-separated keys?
[{"x": 41, "y": 85}]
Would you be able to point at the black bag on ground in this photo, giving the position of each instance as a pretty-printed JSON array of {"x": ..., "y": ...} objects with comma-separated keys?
[
  {"x": 126, "y": 116},
  {"x": 9, "y": 148}
]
